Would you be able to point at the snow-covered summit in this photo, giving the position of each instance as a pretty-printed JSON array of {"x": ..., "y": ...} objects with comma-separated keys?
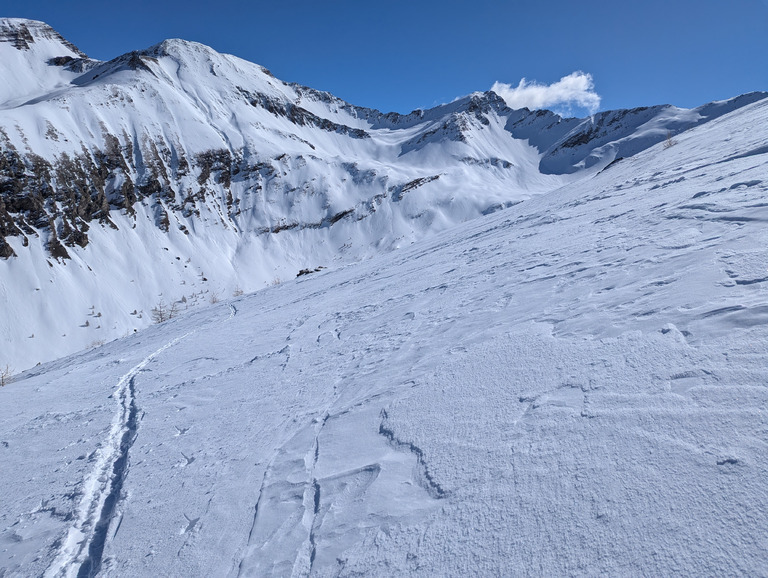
[
  {"x": 23, "y": 34},
  {"x": 34, "y": 59}
]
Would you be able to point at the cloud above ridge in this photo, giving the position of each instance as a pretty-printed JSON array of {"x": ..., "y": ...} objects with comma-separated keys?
[{"x": 575, "y": 90}]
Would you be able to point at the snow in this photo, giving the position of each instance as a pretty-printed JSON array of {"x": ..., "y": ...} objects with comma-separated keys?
[
  {"x": 187, "y": 100},
  {"x": 26, "y": 72},
  {"x": 575, "y": 385},
  {"x": 410, "y": 177}
]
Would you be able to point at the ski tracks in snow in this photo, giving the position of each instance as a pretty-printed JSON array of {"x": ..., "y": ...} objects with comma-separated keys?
[
  {"x": 100, "y": 487},
  {"x": 80, "y": 551}
]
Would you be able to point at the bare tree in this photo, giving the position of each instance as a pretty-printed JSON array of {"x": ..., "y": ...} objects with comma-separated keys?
[
  {"x": 6, "y": 376},
  {"x": 162, "y": 312},
  {"x": 669, "y": 142}
]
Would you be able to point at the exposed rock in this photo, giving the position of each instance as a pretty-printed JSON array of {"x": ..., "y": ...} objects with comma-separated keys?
[{"x": 21, "y": 33}]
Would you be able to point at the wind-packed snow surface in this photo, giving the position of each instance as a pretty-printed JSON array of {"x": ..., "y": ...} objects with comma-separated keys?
[
  {"x": 576, "y": 385},
  {"x": 180, "y": 175}
]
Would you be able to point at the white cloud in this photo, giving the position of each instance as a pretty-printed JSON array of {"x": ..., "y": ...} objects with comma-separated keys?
[{"x": 576, "y": 89}]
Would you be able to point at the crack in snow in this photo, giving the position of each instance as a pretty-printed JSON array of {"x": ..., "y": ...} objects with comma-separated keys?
[
  {"x": 429, "y": 483},
  {"x": 315, "y": 513},
  {"x": 316, "y": 497}
]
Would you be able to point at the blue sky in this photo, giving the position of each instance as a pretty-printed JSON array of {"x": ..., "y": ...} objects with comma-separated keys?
[{"x": 401, "y": 55}]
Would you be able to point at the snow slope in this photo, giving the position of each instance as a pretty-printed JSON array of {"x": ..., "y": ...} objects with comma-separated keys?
[
  {"x": 573, "y": 386},
  {"x": 180, "y": 175},
  {"x": 26, "y": 50}
]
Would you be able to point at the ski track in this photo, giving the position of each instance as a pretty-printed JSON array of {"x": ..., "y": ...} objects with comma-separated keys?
[
  {"x": 101, "y": 484},
  {"x": 81, "y": 551}
]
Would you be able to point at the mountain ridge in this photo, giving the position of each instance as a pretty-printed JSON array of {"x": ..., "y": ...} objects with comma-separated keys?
[{"x": 242, "y": 179}]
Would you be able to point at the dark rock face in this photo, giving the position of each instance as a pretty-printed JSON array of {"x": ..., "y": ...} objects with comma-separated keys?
[
  {"x": 23, "y": 33},
  {"x": 300, "y": 116},
  {"x": 399, "y": 191},
  {"x": 59, "y": 198},
  {"x": 6, "y": 251},
  {"x": 19, "y": 37},
  {"x": 62, "y": 196}
]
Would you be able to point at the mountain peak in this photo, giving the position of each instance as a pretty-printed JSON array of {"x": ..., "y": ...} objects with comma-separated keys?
[
  {"x": 209, "y": 155},
  {"x": 174, "y": 46},
  {"x": 22, "y": 33}
]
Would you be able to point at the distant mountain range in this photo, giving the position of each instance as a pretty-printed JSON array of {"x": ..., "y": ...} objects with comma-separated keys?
[{"x": 178, "y": 175}]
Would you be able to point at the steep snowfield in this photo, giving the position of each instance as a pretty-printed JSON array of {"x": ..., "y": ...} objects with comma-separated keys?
[
  {"x": 180, "y": 175},
  {"x": 573, "y": 386}
]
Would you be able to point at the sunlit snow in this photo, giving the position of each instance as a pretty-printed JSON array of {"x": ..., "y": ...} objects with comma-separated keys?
[
  {"x": 523, "y": 345},
  {"x": 298, "y": 194},
  {"x": 575, "y": 385}
]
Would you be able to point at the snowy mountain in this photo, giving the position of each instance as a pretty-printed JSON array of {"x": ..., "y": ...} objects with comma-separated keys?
[
  {"x": 575, "y": 385},
  {"x": 178, "y": 175}
]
